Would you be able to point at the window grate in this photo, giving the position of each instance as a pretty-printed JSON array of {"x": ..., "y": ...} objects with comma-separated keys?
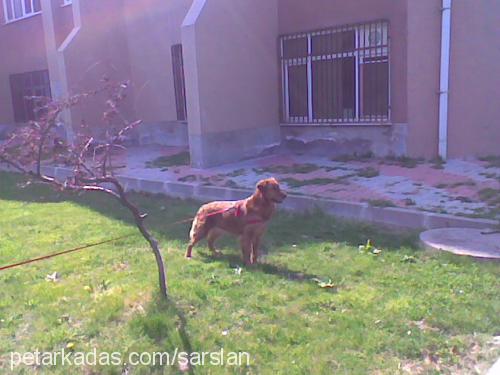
[
  {"x": 19, "y": 9},
  {"x": 336, "y": 75},
  {"x": 26, "y": 85},
  {"x": 179, "y": 83}
]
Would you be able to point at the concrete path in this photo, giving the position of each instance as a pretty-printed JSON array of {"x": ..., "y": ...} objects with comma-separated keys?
[
  {"x": 463, "y": 241},
  {"x": 495, "y": 370},
  {"x": 364, "y": 190},
  {"x": 457, "y": 187}
]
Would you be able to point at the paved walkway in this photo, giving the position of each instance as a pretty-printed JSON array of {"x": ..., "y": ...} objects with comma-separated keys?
[
  {"x": 457, "y": 187},
  {"x": 463, "y": 241}
]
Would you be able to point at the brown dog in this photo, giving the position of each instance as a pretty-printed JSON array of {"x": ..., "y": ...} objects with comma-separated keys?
[{"x": 246, "y": 218}]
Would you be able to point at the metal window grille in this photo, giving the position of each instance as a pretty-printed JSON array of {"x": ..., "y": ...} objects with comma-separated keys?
[
  {"x": 25, "y": 85},
  {"x": 179, "y": 83},
  {"x": 336, "y": 75},
  {"x": 19, "y": 9}
]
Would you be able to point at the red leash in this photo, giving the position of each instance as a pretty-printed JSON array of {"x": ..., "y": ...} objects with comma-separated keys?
[
  {"x": 62, "y": 252},
  {"x": 28, "y": 261}
]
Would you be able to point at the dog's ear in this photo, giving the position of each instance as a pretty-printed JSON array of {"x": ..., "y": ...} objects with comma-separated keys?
[{"x": 261, "y": 185}]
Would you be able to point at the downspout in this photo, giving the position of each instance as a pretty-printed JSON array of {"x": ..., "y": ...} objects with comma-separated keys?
[{"x": 444, "y": 78}]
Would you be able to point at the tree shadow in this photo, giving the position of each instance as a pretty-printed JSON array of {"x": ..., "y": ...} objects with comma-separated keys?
[
  {"x": 165, "y": 212},
  {"x": 285, "y": 231},
  {"x": 165, "y": 323}
]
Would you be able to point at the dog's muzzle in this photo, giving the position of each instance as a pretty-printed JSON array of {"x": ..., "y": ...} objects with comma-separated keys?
[{"x": 280, "y": 200}]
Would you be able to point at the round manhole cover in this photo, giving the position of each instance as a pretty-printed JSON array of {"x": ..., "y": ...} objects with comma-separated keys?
[{"x": 463, "y": 241}]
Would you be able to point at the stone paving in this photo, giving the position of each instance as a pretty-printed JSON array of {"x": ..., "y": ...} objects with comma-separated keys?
[
  {"x": 463, "y": 241},
  {"x": 458, "y": 187}
]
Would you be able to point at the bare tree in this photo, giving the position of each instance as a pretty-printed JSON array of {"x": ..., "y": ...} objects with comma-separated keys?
[{"x": 90, "y": 159}]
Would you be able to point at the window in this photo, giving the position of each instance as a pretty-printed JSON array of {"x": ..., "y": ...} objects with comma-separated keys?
[
  {"x": 18, "y": 9},
  {"x": 67, "y": 2},
  {"x": 179, "y": 84},
  {"x": 28, "y": 84},
  {"x": 337, "y": 75}
]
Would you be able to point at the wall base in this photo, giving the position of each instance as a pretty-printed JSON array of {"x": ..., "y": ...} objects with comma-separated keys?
[
  {"x": 380, "y": 140},
  {"x": 212, "y": 149},
  {"x": 166, "y": 133}
]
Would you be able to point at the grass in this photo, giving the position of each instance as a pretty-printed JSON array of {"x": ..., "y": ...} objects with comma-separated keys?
[
  {"x": 345, "y": 158},
  {"x": 490, "y": 195},
  {"x": 402, "y": 161},
  {"x": 236, "y": 173},
  {"x": 493, "y": 161},
  {"x": 399, "y": 309},
  {"x": 295, "y": 183},
  {"x": 409, "y": 202},
  {"x": 380, "y": 203},
  {"x": 288, "y": 169},
  {"x": 368, "y": 172},
  {"x": 438, "y": 162},
  {"x": 165, "y": 162}
]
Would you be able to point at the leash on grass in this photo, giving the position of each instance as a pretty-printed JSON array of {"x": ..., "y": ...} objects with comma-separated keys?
[
  {"x": 48, "y": 256},
  {"x": 84, "y": 247}
]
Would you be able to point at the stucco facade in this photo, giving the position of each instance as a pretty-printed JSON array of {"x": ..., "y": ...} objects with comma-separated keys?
[
  {"x": 23, "y": 50},
  {"x": 233, "y": 77},
  {"x": 474, "y": 117}
]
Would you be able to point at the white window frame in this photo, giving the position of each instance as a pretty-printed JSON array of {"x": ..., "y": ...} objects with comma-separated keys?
[
  {"x": 24, "y": 11},
  {"x": 363, "y": 50}
]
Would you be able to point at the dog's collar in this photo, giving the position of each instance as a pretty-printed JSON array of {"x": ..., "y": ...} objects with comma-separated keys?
[{"x": 240, "y": 212}]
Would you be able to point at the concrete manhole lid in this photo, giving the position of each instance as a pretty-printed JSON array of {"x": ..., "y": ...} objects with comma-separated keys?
[{"x": 463, "y": 241}]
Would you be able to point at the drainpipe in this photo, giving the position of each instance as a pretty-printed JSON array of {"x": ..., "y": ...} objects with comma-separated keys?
[{"x": 444, "y": 78}]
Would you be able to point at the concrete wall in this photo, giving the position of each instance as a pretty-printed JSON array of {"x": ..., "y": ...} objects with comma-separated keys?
[
  {"x": 98, "y": 49},
  {"x": 333, "y": 141},
  {"x": 22, "y": 50},
  {"x": 231, "y": 67},
  {"x": 63, "y": 17},
  {"x": 424, "y": 30},
  {"x": 474, "y": 103},
  {"x": 299, "y": 15},
  {"x": 152, "y": 27}
]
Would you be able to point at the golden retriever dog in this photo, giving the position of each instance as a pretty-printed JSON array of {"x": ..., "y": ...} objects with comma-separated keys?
[{"x": 246, "y": 218}]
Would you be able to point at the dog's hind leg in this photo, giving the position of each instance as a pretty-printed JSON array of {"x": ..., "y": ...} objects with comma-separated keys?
[
  {"x": 197, "y": 233},
  {"x": 212, "y": 236}
]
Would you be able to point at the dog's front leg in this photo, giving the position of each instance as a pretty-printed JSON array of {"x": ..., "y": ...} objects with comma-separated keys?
[
  {"x": 255, "y": 247},
  {"x": 256, "y": 241},
  {"x": 246, "y": 248}
]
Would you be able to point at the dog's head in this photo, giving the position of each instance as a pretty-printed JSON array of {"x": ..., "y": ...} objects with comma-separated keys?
[{"x": 270, "y": 190}]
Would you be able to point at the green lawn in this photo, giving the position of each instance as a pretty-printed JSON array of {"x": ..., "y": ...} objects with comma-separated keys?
[{"x": 400, "y": 309}]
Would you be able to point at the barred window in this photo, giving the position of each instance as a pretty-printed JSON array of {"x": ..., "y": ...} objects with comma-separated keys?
[
  {"x": 336, "y": 75},
  {"x": 19, "y": 9},
  {"x": 179, "y": 84},
  {"x": 25, "y": 85}
]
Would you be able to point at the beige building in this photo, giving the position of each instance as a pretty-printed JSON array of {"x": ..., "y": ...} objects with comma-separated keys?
[{"x": 233, "y": 78}]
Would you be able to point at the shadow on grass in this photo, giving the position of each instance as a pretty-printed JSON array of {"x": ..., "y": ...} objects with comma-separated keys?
[
  {"x": 283, "y": 232},
  {"x": 285, "y": 229},
  {"x": 166, "y": 324},
  {"x": 235, "y": 261}
]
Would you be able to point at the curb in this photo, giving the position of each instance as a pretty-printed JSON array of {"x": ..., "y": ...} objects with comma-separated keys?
[
  {"x": 391, "y": 216},
  {"x": 495, "y": 369}
]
